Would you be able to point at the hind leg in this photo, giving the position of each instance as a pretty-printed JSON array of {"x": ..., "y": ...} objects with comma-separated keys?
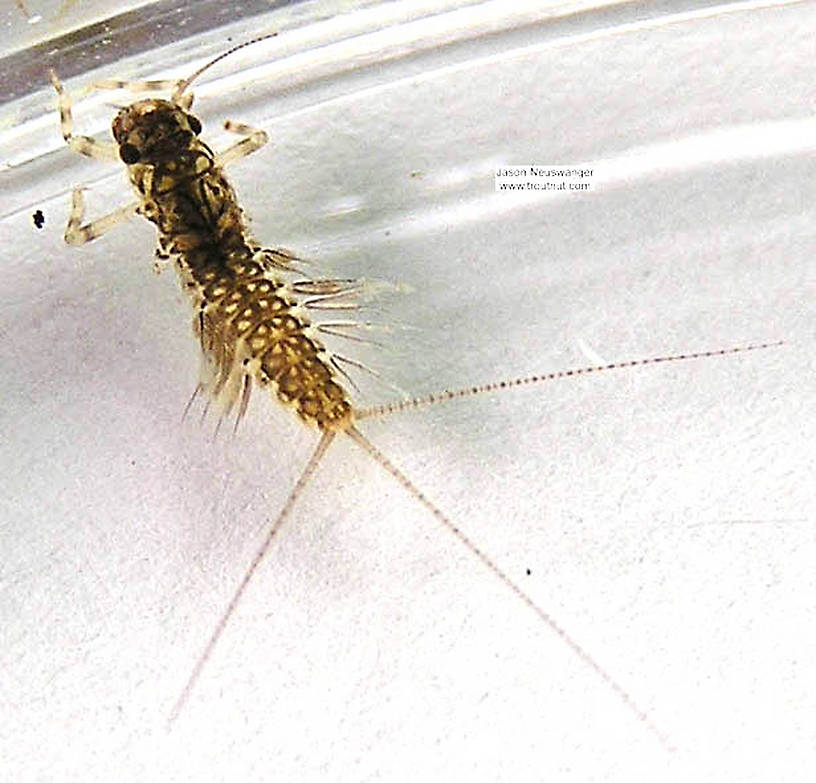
[{"x": 78, "y": 234}]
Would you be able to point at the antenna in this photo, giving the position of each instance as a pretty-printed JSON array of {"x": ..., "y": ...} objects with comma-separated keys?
[{"x": 184, "y": 84}]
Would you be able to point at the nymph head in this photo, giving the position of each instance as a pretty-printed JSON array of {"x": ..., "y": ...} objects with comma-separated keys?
[{"x": 153, "y": 131}]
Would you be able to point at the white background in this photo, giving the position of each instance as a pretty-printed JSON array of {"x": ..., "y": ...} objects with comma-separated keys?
[{"x": 665, "y": 514}]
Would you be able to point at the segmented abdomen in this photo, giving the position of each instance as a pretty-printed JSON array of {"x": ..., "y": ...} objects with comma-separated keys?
[{"x": 248, "y": 330}]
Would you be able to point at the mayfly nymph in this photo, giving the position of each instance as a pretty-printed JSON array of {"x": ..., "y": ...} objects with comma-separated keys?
[{"x": 249, "y": 316}]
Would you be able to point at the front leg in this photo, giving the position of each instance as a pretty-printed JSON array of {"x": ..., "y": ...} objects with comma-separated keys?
[
  {"x": 255, "y": 139},
  {"x": 84, "y": 145},
  {"x": 77, "y": 234}
]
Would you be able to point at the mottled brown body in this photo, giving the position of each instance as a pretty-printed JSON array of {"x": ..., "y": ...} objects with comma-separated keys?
[{"x": 246, "y": 319}]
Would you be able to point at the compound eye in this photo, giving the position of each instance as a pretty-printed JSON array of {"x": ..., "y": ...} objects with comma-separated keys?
[
  {"x": 195, "y": 124},
  {"x": 129, "y": 154}
]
